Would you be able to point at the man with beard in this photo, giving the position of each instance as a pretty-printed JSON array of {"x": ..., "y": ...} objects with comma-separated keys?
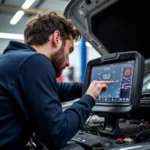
[{"x": 30, "y": 97}]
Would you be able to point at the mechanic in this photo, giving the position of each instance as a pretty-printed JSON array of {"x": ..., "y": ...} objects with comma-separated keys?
[{"x": 30, "y": 96}]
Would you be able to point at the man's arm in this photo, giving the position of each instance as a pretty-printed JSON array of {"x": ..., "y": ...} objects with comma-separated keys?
[
  {"x": 39, "y": 89},
  {"x": 69, "y": 91}
]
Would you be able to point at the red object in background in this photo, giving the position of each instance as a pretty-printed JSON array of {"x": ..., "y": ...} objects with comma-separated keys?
[
  {"x": 119, "y": 140},
  {"x": 60, "y": 79}
]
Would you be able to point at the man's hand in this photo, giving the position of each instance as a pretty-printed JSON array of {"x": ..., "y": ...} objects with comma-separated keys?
[{"x": 97, "y": 87}]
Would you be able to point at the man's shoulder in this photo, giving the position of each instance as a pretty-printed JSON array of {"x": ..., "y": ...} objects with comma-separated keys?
[
  {"x": 15, "y": 60},
  {"x": 21, "y": 56}
]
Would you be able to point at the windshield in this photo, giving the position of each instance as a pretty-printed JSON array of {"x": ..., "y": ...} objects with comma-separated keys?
[{"x": 146, "y": 84}]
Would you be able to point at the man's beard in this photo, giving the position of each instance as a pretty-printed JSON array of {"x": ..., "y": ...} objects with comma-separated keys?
[{"x": 58, "y": 60}]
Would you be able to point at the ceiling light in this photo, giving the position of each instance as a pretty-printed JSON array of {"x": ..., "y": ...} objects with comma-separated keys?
[
  {"x": 11, "y": 36},
  {"x": 16, "y": 17},
  {"x": 20, "y": 13},
  {"x": 27, "y": 4}
]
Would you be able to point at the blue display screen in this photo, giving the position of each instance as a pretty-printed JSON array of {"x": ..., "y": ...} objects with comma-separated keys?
[{"x": 121, "y": 74}]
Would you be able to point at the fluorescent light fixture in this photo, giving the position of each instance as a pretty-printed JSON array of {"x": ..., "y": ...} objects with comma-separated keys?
[
  {"x": 11, "y": 36},
  {"x": 20, "y": 13},
  {"x": 27, "y": 4},
  {"x": 17, "y": 17}
]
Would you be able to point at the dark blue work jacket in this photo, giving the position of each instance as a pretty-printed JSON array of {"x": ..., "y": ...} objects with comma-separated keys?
[{"x": 30, "y": 100}]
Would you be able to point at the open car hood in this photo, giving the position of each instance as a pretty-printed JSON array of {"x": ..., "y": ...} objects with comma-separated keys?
[{"x": 112, "y": 25}]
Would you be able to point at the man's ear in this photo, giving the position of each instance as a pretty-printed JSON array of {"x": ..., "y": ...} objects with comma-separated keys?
[{"x": 55, "y": 37}]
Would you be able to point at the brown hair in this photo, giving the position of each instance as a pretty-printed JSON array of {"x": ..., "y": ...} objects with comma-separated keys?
[{"x": 39, "y": 28}]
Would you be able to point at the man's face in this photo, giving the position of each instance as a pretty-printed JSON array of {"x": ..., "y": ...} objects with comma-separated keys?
[{"x": 60, "y": 58}]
